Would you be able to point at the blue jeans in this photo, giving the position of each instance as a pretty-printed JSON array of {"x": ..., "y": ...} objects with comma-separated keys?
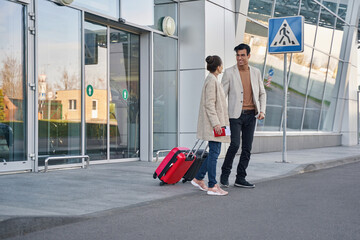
[
  {"x": 246, "y": 125},
  {"x": 209, "y": 165}
]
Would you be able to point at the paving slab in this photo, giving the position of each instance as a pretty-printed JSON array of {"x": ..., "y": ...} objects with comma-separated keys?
[{"x": 34, "y": 201}]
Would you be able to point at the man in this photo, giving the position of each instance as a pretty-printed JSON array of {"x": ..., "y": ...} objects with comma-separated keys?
[{"x": 244, "y": 87}]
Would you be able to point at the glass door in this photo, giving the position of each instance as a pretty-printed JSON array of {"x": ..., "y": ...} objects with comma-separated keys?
[
  {"x": 112, "y": 63},
  {"x": 59, "y": 82},
  {"x": 13, "y": 112},
  {"x": 124, "y": 109},
  {"x": 96, "y": 98}
]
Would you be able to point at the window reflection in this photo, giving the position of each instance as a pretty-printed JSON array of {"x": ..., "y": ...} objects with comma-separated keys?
[
  {"x": 97, "y": 95},
  {"x": 260, "y": 10},
  {"x": 165, "y": 92},
  {"x": 315, "y": 90},
  {"x": 59, "y": 81},
  {"x": 107, "y": 7},
  {"x": 338, "y": 38},
  {"x": 140, "y": 12},
  {"x": 342, "y": 10},
  {"x": 330, "y": 96},
  {"x": 331, "y": 5},
  {"x": 310, "y": 11},
  {"x": 285, "y": 8},
  {"x": 325, "y": 31},
  {"x": 256, "y": 37},
  {"x": 12, "y": 102},
  {"x": 124, "y": 95}
]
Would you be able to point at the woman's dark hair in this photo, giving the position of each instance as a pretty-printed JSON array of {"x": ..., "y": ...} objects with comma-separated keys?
[
  {"x": 241, "y": 47},
  {"x": 213, "y": 62}
]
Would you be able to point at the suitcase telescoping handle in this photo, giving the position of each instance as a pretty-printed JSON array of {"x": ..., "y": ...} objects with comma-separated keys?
[{"x": 192, "y": 153}]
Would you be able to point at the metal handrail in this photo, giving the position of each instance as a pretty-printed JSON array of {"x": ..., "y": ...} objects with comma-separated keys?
[
  {"x": 67, "y": 157},
  {"x": 160, "y": 151}
]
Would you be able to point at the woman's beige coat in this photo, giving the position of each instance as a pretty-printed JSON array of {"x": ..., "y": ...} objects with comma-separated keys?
[{"x": 213, "y": 110}]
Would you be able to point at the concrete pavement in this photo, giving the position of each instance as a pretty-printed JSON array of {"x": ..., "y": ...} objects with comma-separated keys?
[{"x": 35, "y": 201}]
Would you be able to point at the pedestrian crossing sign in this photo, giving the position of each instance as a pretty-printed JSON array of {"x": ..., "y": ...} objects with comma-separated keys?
[{"x": 286, "y": 34}]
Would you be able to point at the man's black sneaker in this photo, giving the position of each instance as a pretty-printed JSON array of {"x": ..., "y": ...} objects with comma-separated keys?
[
  {"x": 244, "y": 184},
  {"x": 224, "y": 182}
]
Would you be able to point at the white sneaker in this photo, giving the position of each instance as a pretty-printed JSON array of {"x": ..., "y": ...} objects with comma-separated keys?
[
  {"x": 197, "y": 185},
  {"x": 216, "y": 191}
]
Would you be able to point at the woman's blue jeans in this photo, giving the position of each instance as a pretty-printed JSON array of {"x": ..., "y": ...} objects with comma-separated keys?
[{"x": 209, "y": 165}]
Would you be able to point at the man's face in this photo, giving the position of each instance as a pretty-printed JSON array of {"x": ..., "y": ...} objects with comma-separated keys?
[{"x": 242, "y": 58}]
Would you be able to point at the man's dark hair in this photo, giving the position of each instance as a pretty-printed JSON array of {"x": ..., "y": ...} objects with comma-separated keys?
[{"x": 241, "y": 47}]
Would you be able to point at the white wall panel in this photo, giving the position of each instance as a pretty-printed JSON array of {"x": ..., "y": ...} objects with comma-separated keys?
[
  {"x": 187, "y": 140},
  {"x": 214, "y": 30},
  {"x": 240, "y": 27},
  {"x": 219, "y": 2},
  {"x": 230, "y": 4},
  {"x": 229, "y": 38},
  {"x": 192, "y": 34},
  {"x": 191, "y": 83}
]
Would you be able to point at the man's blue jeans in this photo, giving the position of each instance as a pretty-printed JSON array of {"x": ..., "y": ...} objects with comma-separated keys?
[
  {"x": 246, "y": 125},
  {"x": 209, "y": 165}
]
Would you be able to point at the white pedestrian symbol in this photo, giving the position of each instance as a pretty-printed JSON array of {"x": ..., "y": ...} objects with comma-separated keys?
[{"x": 284, "y": 37}]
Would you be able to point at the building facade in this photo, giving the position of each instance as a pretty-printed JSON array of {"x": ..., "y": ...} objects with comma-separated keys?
[{"x": 119, "y": 80}]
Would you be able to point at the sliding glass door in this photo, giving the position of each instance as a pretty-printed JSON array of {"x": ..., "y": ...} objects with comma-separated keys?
[{"x": 112, "y": 92}]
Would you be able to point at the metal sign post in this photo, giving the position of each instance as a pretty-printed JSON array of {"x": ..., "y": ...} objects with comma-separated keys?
[
  {"x": 286, "y": 35},
  {"x": 284, "y": 155}
]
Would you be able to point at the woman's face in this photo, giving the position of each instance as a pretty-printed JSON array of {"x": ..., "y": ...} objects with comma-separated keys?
[{"x": 220, "y": 68}]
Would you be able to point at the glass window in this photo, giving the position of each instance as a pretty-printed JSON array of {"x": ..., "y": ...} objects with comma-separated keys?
[
  {"x": 285, "y": 8},
  {"x": 315, "y": 90},
  {"x": 59, "y": 80},
  {"x": 165, "y": 56},
  {"x": 260, "y": 10},
  {"x": 256, "y": 37},
  {"x": 106, "y": 7},
  {"x": 124, "y": 94},
  {"x": 338, "y": 38},
  {"x": 163, "y": 10},
  {"x": 72, "y": 104},
  {"x": 12, "y": 80},
  {"x": 342, "y": 10},
  {"x": 310, "y": 10},
  {"x": 165, "y": 116},
  {"x": 274, "y": 81},
  {"x": 331, "y": 5},
  {"x": 298, "y": 79},
  {"x": 325, "y": 31},
  {"x": 140, "y": 12},
  {"x": 330, "y": 96},
  {"x": 96, "y": 116}
]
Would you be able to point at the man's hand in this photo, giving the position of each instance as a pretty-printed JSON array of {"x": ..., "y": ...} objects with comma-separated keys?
[{"x": 261, "y": 116}]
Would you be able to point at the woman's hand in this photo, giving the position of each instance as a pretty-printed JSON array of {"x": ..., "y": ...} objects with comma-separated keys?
[{"x": 218, "y": 129}]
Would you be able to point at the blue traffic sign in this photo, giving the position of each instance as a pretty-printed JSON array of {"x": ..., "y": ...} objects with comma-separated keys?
[
  {"x": 286, "y": 34},
  {"x": 271, "y": 72}
]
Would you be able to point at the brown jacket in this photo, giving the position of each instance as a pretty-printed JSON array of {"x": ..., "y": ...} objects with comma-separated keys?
[{"x": 213, "y": 110}]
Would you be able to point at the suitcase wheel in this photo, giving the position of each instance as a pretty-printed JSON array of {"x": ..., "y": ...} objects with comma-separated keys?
[
  {"x": 154, "y": 175},
  {"x": 184, "y": 181},
  {"x": 162, "y": 183}
]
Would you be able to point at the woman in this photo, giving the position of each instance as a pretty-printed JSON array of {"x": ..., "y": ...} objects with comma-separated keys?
[{"x": 213, "y": 114}]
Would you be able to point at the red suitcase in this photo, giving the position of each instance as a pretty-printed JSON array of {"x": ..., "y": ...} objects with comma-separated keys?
[{"x": 174, "y": 166}]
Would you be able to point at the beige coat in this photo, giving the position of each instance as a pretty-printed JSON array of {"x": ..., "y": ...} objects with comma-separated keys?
[
  {"x": 233, "y": 89},
  {"x": 213, "y": 110}
]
